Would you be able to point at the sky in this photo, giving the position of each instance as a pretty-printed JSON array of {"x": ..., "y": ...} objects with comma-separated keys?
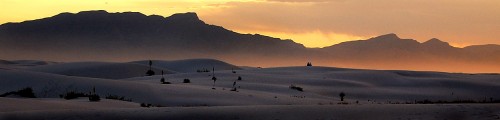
[{"x": 314, "y": 23}]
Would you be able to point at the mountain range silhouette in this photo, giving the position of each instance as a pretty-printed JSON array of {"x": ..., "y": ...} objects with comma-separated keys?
[{"x": 129, "y": 36}]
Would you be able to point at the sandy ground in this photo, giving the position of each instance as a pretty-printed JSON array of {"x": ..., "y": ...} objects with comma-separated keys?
[{"x": 73, "y": 110}]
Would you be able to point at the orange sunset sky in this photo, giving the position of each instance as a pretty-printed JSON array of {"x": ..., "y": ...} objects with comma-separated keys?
[{"x": 314, "y": 23}]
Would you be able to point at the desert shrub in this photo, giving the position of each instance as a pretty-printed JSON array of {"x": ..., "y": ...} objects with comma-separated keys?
[
  {"x": 343, "y": 103},
  {"x": 186, "y": 81},
  {"x": 150, "y": 73},
  {"x": 73, "y": 95},
  {"x": 296, "y": 88},
  {"x": 143, "y": 105},
  {"x": 151, "y": 105},
  {"x": 232, "y": 70},
  {"x": 25, "y": 92},
  {"x": 94, "y": 98},
  {"x": 166, "y": 83},
  {"x": 342, "y": 95},
  {"x": 116, "y": 97},
  {"x": 234, "y": 89}
]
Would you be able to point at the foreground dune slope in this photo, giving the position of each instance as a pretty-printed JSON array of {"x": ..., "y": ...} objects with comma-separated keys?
[{"x": 274, "y": 112}]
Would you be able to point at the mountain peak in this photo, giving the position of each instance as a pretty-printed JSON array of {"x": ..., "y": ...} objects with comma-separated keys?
[
  {"x": 192, "y": 15},
  {"x": 93, "y": 12},
  {"x": 435, "y": 42},
  {"x": 390, "y": 36},
  {"x": 189, "y": 16}
]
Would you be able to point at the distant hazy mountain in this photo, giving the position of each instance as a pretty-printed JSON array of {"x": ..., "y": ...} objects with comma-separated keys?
[
  {"x": 129, "y": 36},
  {"x": 99, "y": 35}
]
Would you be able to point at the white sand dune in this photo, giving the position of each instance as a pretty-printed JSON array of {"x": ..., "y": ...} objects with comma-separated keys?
[
  {"x": 191, "y": 65},
  {"x": 33, "y": 62},
  {"x": 6, "y": 62},
  {"x": 260, "y": 89},
  {"x": 147, "y": 90},
  {"x": 270, "y": 86},
  {"x": 21, "y": 64},
  {"x": 53, "y": 85},
  {"x": 98, "y": 69}
]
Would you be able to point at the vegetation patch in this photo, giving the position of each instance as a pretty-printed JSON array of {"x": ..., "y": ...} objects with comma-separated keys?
[
  {"x": 116, "y": 97},
  {"x": 73, "y": 95},
  {"x": 296, "y": 88},
  {"x": 186, "y": 81},
  {"x": 150, "y": 105},
  {"x": 25, "y": 92}
]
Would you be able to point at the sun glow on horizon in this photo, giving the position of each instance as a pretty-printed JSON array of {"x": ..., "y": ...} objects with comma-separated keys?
[{"x": 313, "y": 39}]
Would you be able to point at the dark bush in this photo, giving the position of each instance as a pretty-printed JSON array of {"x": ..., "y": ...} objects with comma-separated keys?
[
  {"x": 146, "y": 105},
  {"x": 186, "y": 81},
  {"x": 239, "y": 78},
  {"x": 73, "y": 95},
  {"x": 342, "y": 95},
  {"x": 94, "y": 98},
  {"x": 150, "y": 73},
  {"x": 26, "y": 92},
  {"x": 143, "y": 105},
  {"x": 166, "y": 83},
  {"x": 296, "y": 88},
  {"x": 116, "y": 97}
]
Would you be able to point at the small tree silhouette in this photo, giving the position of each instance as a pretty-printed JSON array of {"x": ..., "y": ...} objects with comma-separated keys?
[
  {"x": 150, "y": 72},
  {"x": 93, "y": 97},
  {"x": 234, "y": 84},
  {"x": 213, "y": 77},
  {"x": 309, "y": 64},
  {"x": 162, "y": 80},
  {"x": 342, "y": 95}
]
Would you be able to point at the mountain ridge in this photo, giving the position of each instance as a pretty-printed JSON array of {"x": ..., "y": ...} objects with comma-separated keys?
[{"x": 130, "y": 36}]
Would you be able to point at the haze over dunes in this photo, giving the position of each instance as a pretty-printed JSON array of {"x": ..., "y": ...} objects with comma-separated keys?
[{"x": 130, "y": 36}]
